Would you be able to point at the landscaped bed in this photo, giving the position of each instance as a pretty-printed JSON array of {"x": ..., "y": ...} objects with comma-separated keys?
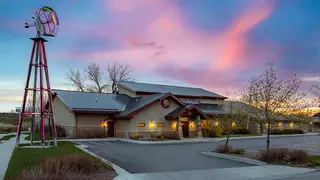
[
  {"x": 240, "y": 135},
  {"x": 278, "y": 156},
  {"x": 62, "y": 162}
]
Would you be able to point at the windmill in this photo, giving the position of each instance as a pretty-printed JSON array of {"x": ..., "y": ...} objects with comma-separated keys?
[{"x": 46, "y": 23}]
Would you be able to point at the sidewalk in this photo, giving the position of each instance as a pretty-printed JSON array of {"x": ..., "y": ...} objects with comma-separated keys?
[
  {"x": 188, "y": 140},
  {"x": 6, "y": 149},
  {"x": 255, "y": 172}
]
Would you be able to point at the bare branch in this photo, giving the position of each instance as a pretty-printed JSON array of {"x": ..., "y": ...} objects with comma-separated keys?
[
  {"x": 95, "y": 75},
  {"x": 118, "y": 72},
  {"x": 77, "y": 79}
]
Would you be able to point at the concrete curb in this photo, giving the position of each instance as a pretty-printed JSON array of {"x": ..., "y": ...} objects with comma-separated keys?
[
  {"x": 122, "y": 173},
  {"x": 235, "y": 158},
  {"x": 185, "y": 141},
  {"x": 271, "y": 136}
]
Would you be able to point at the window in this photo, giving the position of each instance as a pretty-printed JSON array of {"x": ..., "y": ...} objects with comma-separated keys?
[
  {"x": 160, "y": 124},
  {"x": 141, "y": 124}
]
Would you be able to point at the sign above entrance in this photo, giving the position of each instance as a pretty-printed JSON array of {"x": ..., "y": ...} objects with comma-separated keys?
[
  {"x": 190, "y": 101},
  {"x": 165, "y": 103}
]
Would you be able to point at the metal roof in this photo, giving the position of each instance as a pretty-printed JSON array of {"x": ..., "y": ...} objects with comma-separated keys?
[
  {"x": 210, "y": 108},
  {"x": 139, "y": 102},
  {"x": 91, "y": 101},
  {"x": 175, "y": 90}
]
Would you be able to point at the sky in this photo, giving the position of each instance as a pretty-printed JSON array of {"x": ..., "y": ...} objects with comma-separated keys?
[{"x": 213, "y": 44}]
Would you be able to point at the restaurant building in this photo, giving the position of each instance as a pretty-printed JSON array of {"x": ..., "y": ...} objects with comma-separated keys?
[{"x": 137, "y": 109}]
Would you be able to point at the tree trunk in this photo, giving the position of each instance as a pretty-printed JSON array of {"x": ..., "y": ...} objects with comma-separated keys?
[
  {"x": 228, "y": 135},
  {"x": 268, "y": 137}
]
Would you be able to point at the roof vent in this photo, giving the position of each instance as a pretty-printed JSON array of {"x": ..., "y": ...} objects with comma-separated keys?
[
  {"x": 137, "y": 100},
  {"x": 96, "y": 99}
]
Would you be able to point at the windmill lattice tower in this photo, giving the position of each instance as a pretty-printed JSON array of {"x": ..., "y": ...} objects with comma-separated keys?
[{"x": 46, "y": 23}]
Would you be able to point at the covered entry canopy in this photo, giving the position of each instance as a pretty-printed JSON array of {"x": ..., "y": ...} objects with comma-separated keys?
[{"x": 203, "y": 110}]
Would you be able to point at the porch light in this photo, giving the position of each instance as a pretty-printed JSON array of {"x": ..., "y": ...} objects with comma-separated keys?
[
  {"x": 152, "y": 124},
  {"x": 291, "y": 124},
  {"x": 104, "y": 124},
  {"x": 216, "y": 123},
  {"x": 233, "y": 124},
  {"x": 280, "y": 124}
]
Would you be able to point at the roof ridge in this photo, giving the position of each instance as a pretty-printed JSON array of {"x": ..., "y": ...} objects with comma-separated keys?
[
  {"x": 162, "y": 85},
  {"x": 81, "y": 91}
]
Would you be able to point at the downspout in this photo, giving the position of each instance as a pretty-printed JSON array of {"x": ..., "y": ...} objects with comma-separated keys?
[{"x": 76, "y": 116}]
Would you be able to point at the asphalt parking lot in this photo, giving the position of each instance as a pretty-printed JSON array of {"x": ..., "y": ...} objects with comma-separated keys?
[{"x": 136, "y": 158}]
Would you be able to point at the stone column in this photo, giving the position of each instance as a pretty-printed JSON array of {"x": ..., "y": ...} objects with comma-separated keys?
[
  {"x": 179, "y": 128},
  {"x": 199, "y": 131}
]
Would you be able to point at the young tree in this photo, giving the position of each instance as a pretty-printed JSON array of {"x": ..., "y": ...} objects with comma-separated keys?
[
  {"x": 118, "y": 72},
  {"x": 234, "y": 115},
  {"x": 270, "y": 95},
  {"x": 95, "y": 74},
  {"x": 77, "y": 79}
]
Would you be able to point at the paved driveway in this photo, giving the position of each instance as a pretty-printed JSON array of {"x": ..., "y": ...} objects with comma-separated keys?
[{"x": 136, "y": 158}]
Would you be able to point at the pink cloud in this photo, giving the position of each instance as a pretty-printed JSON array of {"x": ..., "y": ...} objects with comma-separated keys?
[{"x": 155, "y": 37}]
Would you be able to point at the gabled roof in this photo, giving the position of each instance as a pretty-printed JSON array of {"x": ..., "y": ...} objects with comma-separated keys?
[
  {"x": 137, "y": 104},
  {"x": 175, "y": 90},
  {"x": 92, "y": 102},
  {"x": 211, "y": 109}
]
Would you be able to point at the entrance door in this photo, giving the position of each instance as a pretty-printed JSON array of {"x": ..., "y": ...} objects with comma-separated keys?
[
  {"x": 110, "y": 128},
  {"x": 185, "y": 128}
]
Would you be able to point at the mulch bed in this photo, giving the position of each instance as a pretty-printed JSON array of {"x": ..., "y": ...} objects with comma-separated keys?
[
  {"x": 108, "y": 174},
  {"x": 253, "y": 156}
]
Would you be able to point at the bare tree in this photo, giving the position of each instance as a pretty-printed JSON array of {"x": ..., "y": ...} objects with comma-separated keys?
[
  {"x": 93, "y": 79},
  {"x": 77, "y": 79},
  {"x": 271, "y": 95},
  {"x": 118, "y": 72},
  {"x": 95, "y": 75}
]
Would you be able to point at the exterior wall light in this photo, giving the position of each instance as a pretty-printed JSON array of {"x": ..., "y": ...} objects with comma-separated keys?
[
  {"x": 233, "y": 124},
  {"x": 280, "y": 124},
  {"x": 152, "y": 124},
  {"x": 291, "y": 124},
  {"x": 216, "y": 123},
  {"x": 104, "y": 124}
]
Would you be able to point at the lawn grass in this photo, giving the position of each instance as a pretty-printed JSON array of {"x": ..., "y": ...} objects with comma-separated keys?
[
  {"x": 315, "y": 160},
  {"x": 26, "y": 158},
  {"x": 240, "y": 135},
  {"x": 7, "y": 137}
]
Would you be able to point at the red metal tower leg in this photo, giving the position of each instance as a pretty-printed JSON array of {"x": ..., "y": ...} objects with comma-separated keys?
[
  {"x": 50, "y": 102},
  {"x": 23, "y": 106},
  {"x": 42, "y": 96}
]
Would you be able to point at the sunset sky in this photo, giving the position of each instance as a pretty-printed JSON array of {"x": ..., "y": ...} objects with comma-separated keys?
[{"x": 214, "y": 44}]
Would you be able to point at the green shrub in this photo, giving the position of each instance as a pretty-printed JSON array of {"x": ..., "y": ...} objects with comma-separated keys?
[
  {"x": 293, "y": 131},
  {"x": 240, "y": 131},
  {"x": 213, "y": 131},
  {"x": 222, "y": 148},
  {"x": 276, "y": 131},
  {"x": 237, "y": 151}
]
